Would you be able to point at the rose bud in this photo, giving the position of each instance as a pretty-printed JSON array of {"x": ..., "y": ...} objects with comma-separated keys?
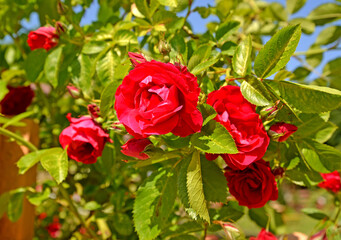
[
  {"x": 331, "y": 181},
  {"x": 136, "y": 58},
  {"x": 264, "y": 235},
  {"x": 254, "y": 186},
  {"x": 84, "y": 139},
  {"x": 278, "y": 172},
  {"x": 43, "y": 37},
  {"x": 157, "y": 98},
  {"x": 269, "y": 113},
  {"x": 60, "y": 28},
  {"x": 61, "y": 8},
  {"x": 321, "y": 235},
  {"x": 16, "y": 100},
  {"x": 211, "y": 156},
  {"x": 135, "y": 147},
  {"x": 94, "y": 111},
  {"x": 280, "y": 132},
  {"x": 42, "y": 216},
  {"x": 239, "y": 117},
  {"x": 73, "y": 91}
]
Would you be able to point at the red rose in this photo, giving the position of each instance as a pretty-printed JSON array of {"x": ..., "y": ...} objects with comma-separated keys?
[
  {"x": 135, "y": 147},
  {"x": 84, "y": 138},
  {"x": 239, "y": 117},
  {"x": 16, "y": 100},
  {"x": 331, "y": 181},
  {"x": 264, "y": 235},
  {"x": 158, "y": 98},
  {"x": 254, "y": 186},
  {"x": 54, "y": 229},
  {"x": 280, "y": 132},
  {"x": 43, "y": 37}
]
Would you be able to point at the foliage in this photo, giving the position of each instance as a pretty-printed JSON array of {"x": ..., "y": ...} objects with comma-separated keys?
[{"x": 176, "y": 193}]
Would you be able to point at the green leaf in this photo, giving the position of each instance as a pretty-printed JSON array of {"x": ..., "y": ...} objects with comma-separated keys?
[
  {"x": 203, "y": 66},
  {"x": 170, "y": 3},
  {"x": 92, "y": 205},
  {"x": 259, "y": 216},
  {"x": 177, "y": 231},
  {"x": 315, "y": 213},
  {"x": 125, "y": 37},
  {"x": 325, "y": 13},
  {"x": 308, "y": 98},
  {"x": 15, "y": 204},
  {"x": 277, "y": 51},
  {"x": 94, "y": 47},
  {"x": 314, "y": 59},
  {"x": 178, "y": 43},
  {"x": 182, "y": 182},
  {"x": 195, "y": 187},
  {"x": 52, "y": 65},
  {"x": 39, "y": 197},
  {"x": 328, "y": 35},
  {"x": 228, "y": 48},
  {"x": 214, "y": 181},
  {"x": 308, "y": 26},
  {"x": 34, "y": 64},
  {"x": 199, "y": 55},
  {"x": 219, "y": 141},
  {"x": 106, "y": 67},
  {"x": 29, "y": 160},
  {"x": 175, "y": 141},
  {"x": 229, "y": 213},
  {"x": 17, "y": 118},
  {"x": 315, "y": 127},
  {"x": 123, "y": 224},
  {"x": 278, "y": 11},
  {"x": 241, "y": 61},
  {"x": 3, "y": 89},
  {"x": 225, "y": 30},
  {"x": 321, "y": 157},
  {"x": 253, "y": 95},
  {"x": 295, "y": 5},
  {"x": 55, "y": 161},
  {"x": 4, "y": 200},
  {"x": 143, "y": 8},
  {"x": 107, "y": 98},
  {"x": 154, "y": 202},
  {"x": 84, "y": 80},
  {"x": 208, "y": 113}
]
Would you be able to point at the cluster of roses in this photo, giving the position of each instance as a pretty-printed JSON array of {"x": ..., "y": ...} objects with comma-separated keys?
[{"x": 156, "y": 98}]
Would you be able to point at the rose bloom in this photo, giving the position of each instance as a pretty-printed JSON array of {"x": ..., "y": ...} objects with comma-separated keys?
[
  {"x": 16, "y": 100},
  {"x": 331, "y": 181},
  {"x": 264, "y": 235},
  {"x": 43, "y": 37},
  {"x": 84, "y": 139},
  {"x": 281, "y": 131},
  {"x": 157, "y": 98},
  {"x": 135, "y": 147},
  {"x": 239, "y": 117},
  {"x": 254, "y": 186},
  {"x": 54, "y": 229}
]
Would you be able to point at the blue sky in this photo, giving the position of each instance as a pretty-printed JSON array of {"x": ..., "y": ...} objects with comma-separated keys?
[{"x": 199, "y": 26}]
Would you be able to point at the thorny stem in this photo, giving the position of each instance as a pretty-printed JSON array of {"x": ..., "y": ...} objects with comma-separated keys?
[
  {"x": 337, "y": 214},
  {"x": 19, "y": 139},
  {"x": 205, "y": 231}
]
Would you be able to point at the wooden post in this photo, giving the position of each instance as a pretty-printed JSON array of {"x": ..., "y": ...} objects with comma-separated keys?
[{"x": 10, "y": 153}]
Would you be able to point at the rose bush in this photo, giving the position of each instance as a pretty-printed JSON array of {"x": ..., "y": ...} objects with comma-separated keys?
[
  {"x": 239, "y": 117},
  {"x": 84, "y": 139},
  {"x": 254, "y": 186},
  {"x": 43, "y": 37},
  {"x": 16, "y": 100},
  {"x": 157, "y": 98}
]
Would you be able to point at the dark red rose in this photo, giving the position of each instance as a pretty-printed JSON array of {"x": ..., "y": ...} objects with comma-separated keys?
[
  {"x": 54, "y": 229},
  {"x": 331, "y": 181},
  {"x": 239, "y": 117},
  {"x": 281, "y": 131},
  {"x": 84, "y": 138},
  {"x": 264, "y": 235},
  {"x": 254, "y": 186},
  {"x": 135, "y": 147},
  {"x": 16, "y": 100},
  {"x": 157, "y": 98},
  {"x": 43, "y": 37}
]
